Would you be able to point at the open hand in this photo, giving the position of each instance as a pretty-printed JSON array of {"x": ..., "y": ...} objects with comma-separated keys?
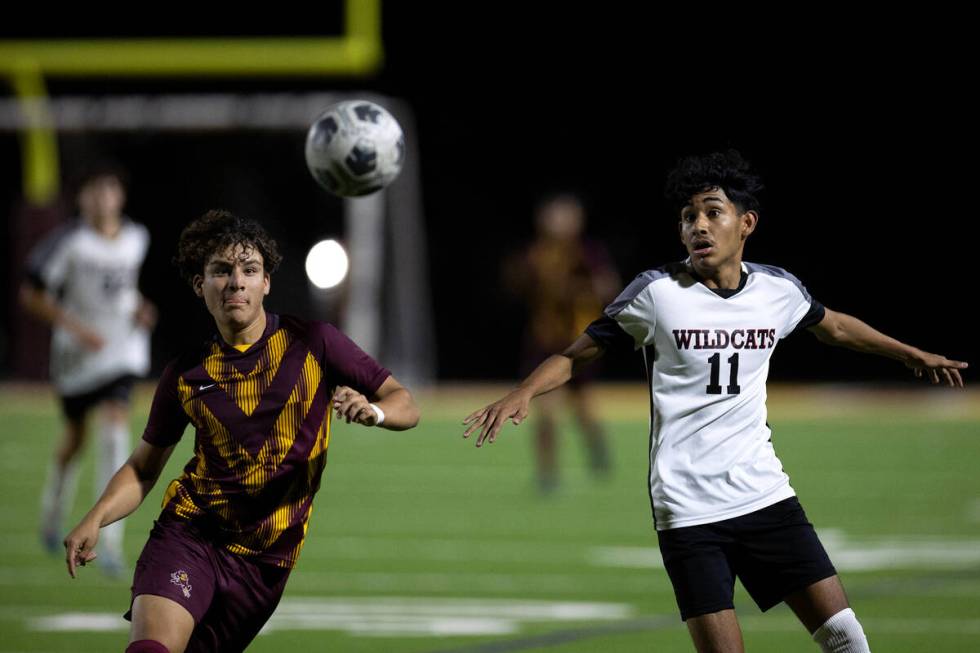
[
  {"x": 491, "y": 419},
  {"x": 937, "y": 369}
]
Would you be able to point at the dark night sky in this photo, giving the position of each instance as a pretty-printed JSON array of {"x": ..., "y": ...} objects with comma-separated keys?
[
  {"x": 859, "y": 134},
  {"x": 862, "y": 134}
]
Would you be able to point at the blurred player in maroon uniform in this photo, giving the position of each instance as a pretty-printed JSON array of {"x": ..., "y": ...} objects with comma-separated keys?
[
  {"x": 259, "y": 396},
  {"x": 564, "y": 279}
]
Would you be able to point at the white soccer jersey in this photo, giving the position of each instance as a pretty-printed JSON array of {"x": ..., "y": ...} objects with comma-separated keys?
[
  {"x": 96, "y": 279},
  {"x": 707, "y": 358}
]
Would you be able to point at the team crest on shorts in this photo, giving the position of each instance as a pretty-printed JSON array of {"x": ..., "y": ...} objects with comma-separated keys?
[{"x": 182, "y": 580}]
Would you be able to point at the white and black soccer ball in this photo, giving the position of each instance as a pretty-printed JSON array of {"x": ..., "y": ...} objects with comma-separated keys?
[{"x": 355, "y": 148}]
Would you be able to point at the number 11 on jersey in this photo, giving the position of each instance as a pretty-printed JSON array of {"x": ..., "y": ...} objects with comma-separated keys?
[{"x": 714, "y": 388}]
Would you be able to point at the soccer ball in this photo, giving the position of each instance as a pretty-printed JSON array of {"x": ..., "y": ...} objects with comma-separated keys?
[{"x": 355, "y": 148}]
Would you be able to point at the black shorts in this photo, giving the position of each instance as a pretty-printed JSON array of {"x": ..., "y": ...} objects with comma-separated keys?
[
  {"x": 76, "y": 406},
  {"x": 774, "y": 552}
]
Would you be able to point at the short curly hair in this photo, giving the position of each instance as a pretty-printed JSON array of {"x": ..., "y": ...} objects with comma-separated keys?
[
  {"x": 215, "y": 232},
  {"x": 728, "y": 171}
]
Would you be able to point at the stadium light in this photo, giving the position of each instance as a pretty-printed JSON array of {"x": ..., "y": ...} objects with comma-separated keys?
[{"x": 326, "y": 264}]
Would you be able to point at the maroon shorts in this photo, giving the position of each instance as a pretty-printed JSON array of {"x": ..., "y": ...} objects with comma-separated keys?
[{"x": 229, "y": 596}]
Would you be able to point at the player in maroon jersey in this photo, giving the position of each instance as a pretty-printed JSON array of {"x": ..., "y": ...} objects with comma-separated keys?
[
  {"x": 564, "y": 279},
  {"x": 259, "y": 396}
]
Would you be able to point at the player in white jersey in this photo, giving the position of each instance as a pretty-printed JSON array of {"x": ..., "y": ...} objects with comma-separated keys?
[
  {"x": 722, "y": 505},
  {"x": 82, "y": 279}
]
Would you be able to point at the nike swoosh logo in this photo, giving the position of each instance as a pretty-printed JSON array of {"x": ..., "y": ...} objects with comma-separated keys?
[{"x": 205, "y": 387}]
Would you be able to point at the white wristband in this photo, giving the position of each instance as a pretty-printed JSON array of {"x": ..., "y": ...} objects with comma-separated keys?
[{"x": 380, "y": 413}]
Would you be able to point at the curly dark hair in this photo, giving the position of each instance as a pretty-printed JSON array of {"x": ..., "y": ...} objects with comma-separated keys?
[
  {"x": 216, "y": 231},
  {"x": 728, "y": 171}
]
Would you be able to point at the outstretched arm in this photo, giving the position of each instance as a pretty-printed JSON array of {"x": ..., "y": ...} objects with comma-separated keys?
[
  {"x": 125, "y": 492},
  {"x": 550, "y": 374},
  {"x": 845, "y": 330}
]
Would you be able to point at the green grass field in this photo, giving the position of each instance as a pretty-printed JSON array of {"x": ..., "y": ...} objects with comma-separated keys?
[{"x": 419, "y": 542}]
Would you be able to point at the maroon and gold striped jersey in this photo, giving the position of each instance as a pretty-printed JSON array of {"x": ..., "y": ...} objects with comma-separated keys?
[{"x": 262, "y": 421}]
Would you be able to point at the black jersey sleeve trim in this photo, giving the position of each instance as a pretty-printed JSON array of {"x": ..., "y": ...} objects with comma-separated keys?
[
  {"x": 34, "y": 279},
  {"x": 813, "y": 316},
  {"x": 609, "y": 335}
]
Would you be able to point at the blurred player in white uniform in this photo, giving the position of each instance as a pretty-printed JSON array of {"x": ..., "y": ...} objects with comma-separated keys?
[
  {"x": 82, "y": 279},
  {"x": 707, "y": 326}
]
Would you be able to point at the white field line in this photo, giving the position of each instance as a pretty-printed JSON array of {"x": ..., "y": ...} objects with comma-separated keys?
[
  {"x": 510, "y": 608},
  {"x": 847, "y": 554},
  {"x": 79, "y": 622},
  {"x": 385, "y": 616},
  {"x": 405, "y": 617}
]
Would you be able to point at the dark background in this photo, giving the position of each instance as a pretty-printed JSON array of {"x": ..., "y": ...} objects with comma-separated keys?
[{"x": 862, "y": 127}]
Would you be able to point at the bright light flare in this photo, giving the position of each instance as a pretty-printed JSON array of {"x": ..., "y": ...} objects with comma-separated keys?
[{"x": 327, "y": 264}]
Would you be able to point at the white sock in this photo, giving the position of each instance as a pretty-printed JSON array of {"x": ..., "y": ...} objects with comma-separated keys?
[
  {"x": 112, "y": 453},
  {"x": 58, "y": 496},
  {"x": 842, "y": 633}
]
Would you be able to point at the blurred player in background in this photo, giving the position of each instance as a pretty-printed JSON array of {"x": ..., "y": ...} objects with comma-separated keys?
[
  {"x": 707, "y": 326},
  {"x": 259, "y": 395},
  {"x": 564, "y": 279},
  {"x": 83, "y": 280}
]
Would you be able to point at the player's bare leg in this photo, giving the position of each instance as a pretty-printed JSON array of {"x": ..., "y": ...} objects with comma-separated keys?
[
  {"x": 823, "y": 607},
  {"x": 716, "y": 632},
  {"x": 545, "y": 444},
  {"x": 595, "y": 436},
  {"x": 59, "y": 488},
  {"x": 819, "y": 602},
  {"x": 72, "y": 441},
  {"x": 161, "y": 620}
]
